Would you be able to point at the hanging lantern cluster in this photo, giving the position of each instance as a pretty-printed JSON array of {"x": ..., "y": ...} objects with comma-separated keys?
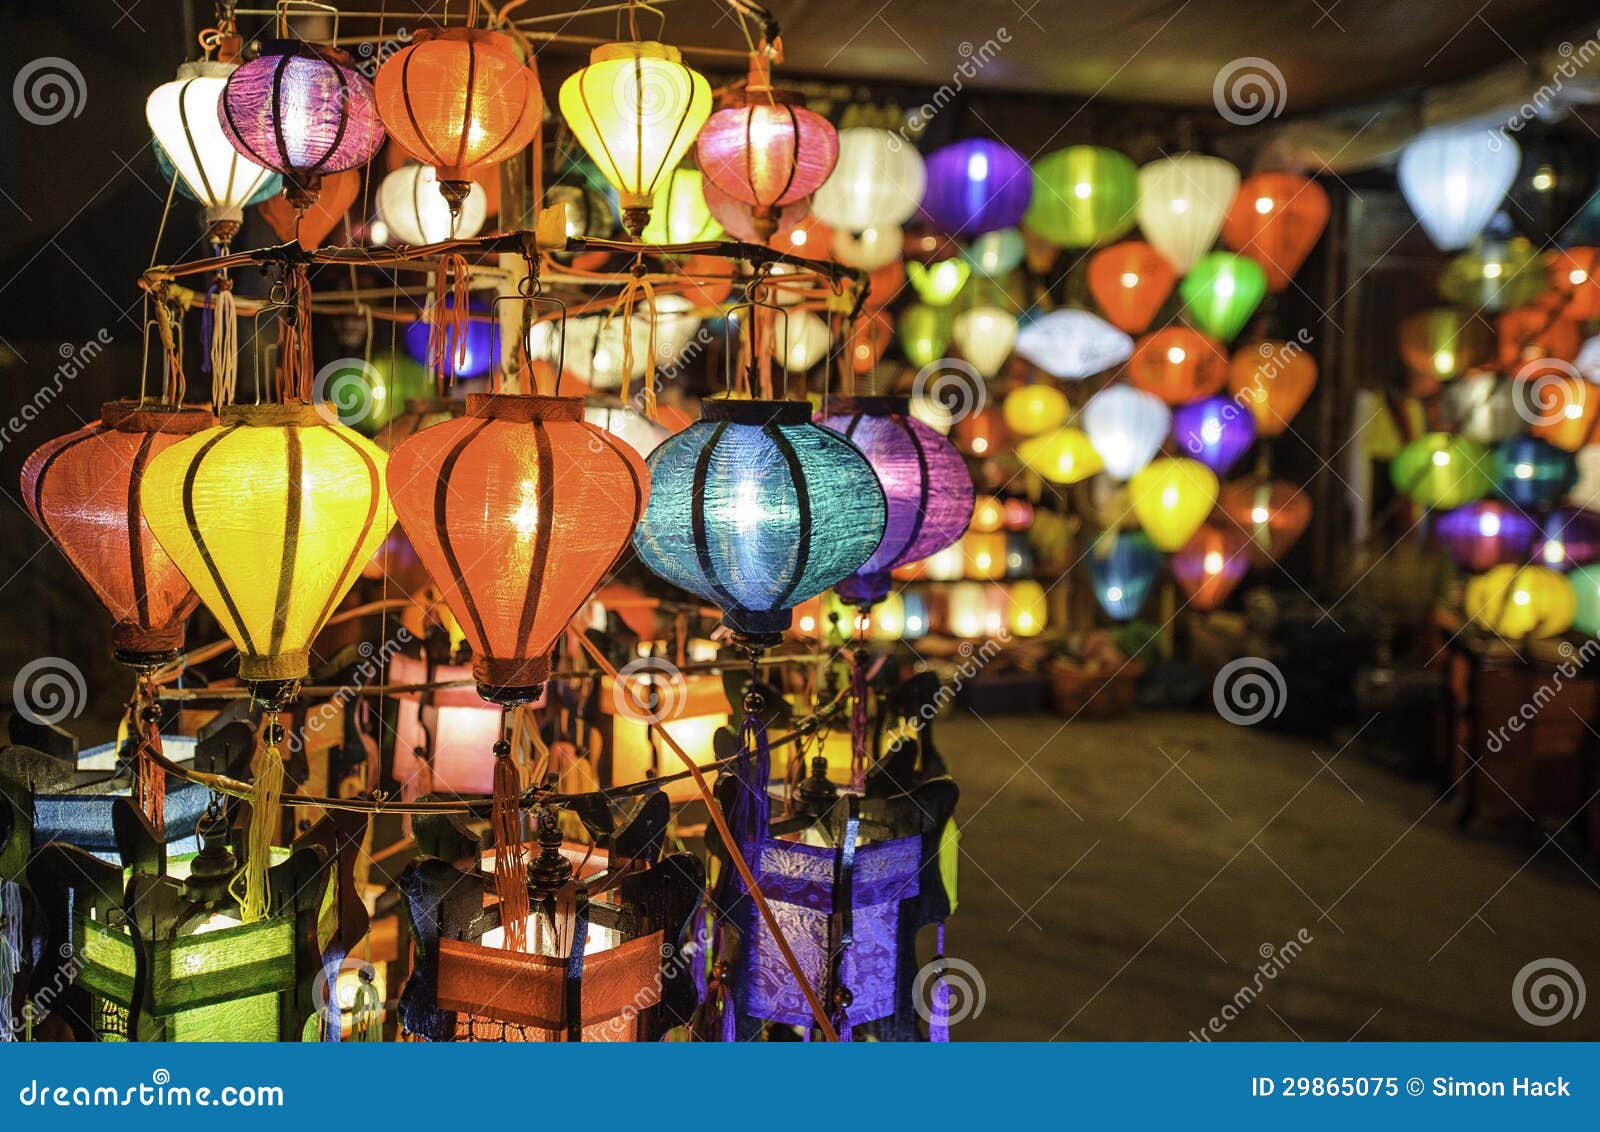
[{"x": 184, "y": 116}]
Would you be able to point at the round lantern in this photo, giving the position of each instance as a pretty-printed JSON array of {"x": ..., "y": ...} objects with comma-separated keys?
[
  {"x": 1211, "y": 565},
  {"x": 1126, "y": 426},
  {"x": 1217, "y": 431},
  {"x": 1444, "y": 343},
  {"x": 995, "y": 253},
  {"x": 988, "y": 514},
  {"x": 1073, "y": 344},
  {"x": 975, "y": 186},
  {"x": 1034, "y": 409},
  {"x": 479, "y": 350},
  {"x": 1561, "y": 408},
  {"x": 756, "y": 509},
  {"x": 1537, "y": 330},
  {"x": 1568, "y": 537},
  {"x": 924, "y": 333},
  {"x": 1027, "y": 609},
  {"x": 1454, "y": 179},
  {"x": 303, "y": 111},
  {"x": 877, "y": 182},
  {"x": 985, "y": 336},
  {"x": 1182, "y": 201},
  {"x": 1272, "y": 379},
  {"x": 800, "y": 340},
  {"x": 1221, "y": 292},
  {"x": 271, "y": 517},
  {"x": 1573, "y": 280},
  {"x": 1276, "y": 219},
  {"x": 869, "y": 249},
  {"x": 183, "y": 115},
  {"x": 83, "y": 489},
  {"x": 459, "y": 100},
  {"x": 636, "y": 110},
  {"x": 983, "y": 556},
  {"x": 1171, "y": 498},
  {"x": 678, "y": 212},
  {"x": 1485, "y": 534},
  {"x": 1494, "y": 276},
  {"x": 633, "y": 428},
  {"x": 982, "y": 433},
  {"x": 1178, "y": 364},
  {"x": 1064, "y": 456},
  {"x": 792, "y": 222},
  {"x": 1521, "y": 601},
  {"x": 1531, "y": 473},
  {"x": 410, "y": 204},
  {"x": 1082, "y": 195},
  {"x": 1482, "y": 407},
  {"x": 1122, "y": 567},
  {"x": 1442, "y": 471},
  {"x": 869, "y": 338},
  {"x": 1273, "y": 513},
  {"x": 1130, "y": 281}
]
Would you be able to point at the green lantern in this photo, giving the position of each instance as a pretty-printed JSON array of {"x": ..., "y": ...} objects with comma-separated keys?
[
  {"x": 1586, "y": 585},
  {"x": 925, "y": 333},
  {"x": 1222, "y": 291},
  {"x": 1082, "y": 195},
  {"x": 1443, "y": 471},
  {"x": 367, "y": 395},
  {"x": 938, "y": 284},
  {"x": 1495, "y": 276},
  {"x": 679, "y": 214}
]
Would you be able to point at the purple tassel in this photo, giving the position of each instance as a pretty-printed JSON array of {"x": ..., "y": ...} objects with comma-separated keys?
[
  {"x": 841, "y": 1024},
  {"x": 205, "y": 329},
  {"x": 752, "y": 810},
  {"x": 730, "y": 1028},
  {"x": 939, "y": 1012}
]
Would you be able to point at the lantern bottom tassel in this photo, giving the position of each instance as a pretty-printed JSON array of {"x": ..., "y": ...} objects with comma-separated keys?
[
  {"x": 510, "y": 866},
  {"x": 266, "y": 794},
  {"x": 939, "y": 1008}
]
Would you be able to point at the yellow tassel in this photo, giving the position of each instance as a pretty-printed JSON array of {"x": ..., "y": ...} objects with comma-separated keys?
[{"x": 265, "y": 796}]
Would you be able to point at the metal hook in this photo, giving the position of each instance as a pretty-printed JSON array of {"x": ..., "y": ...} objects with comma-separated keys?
[{"x": 529, "y": 294}]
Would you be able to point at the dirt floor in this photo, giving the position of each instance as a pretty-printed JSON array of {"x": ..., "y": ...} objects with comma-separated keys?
[{"x": 1140, "y": 879}]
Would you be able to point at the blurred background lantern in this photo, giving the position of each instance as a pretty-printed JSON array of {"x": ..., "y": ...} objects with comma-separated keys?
[
  {"x": 1018, "y": 514},
  {"x": 985, "y": 337},
  {"x": 635, "y": 429},
  {"x": 1535, "y": 331},
  {"x": 1182, "y": 200},
  {"x": 1211, "y": 565},
  {"x": 1442, "y": 471},
  {"x": 1272, "y": 379},
  {"x": 869, "y": 338},
  {"x": 1585, "y": 583},
  {"x": 368, "y": 395},
  {"x": 988, "y": 514},
  {"x": 444, "y": 738},
  {"x": 1555, "y": 177},
  {"x": 1221, "y": 292},
  {"x": 1130, "y": 281},
  {"x": 1217, "y": 431},
  {"x": 938, "y": 284},
  {"x": 945, "y": 565},
  {"x": 1454, "y": 178},
  {"x": 1273, "y": 514},
  {"x": 983, "y": 555},
  {"x": 411, "y": 207},
  {"x": 1561, "y": 408},
  {"x": 1027, "y": 608},
  {"x": 1530, "y": 473},
  {"x": 1019, "y": 555},
  {"x": 975, "y": 186},
  {"x": 1521, "y": 601},
  {"x": 1082, "y": 195},
  {"x": 479, "y": 355},
  {"x": 589, "y": 211},
  {"x": 595, "y": 347},
  {"x": 1036, "y": 408},
  {"x": 183, "y": 116},
  {"x": 1481, "y": 407},
  {"x": 1568, "y": 537},
  {"x": 1494, "y": 275},
  {"x": 981, "y": 434},
  {"x": 1443, "y": 343},
  {"x": 916, "y": 616},
  {"x": 1127, "y": 427},
  {"x": 869, "y": 249},
  {"x": 800, "y": 340},
  {"x": 925, "y": 332},
  {"x": 964, "y": 616},
  {"x": 877, "y": 182},
  {"x": 1122, "y": 567},
  {"x": 1485, "y": 534},
  {"x": 995, "y": 253},
  {"x": 1572, "y": 279},
  {"x": 1072, "y": 343},
  {"x": 1171, "y": 497},
  {"x": 1063, "y": 456},
  {"x": 678, "y": 211},
  {"x": 1276, "y": 219},
  {"x": 1178, "y": 364}
]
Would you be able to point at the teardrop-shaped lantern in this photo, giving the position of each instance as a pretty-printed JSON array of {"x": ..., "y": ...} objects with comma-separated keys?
[
  {"x": 924, "y": 333},
  {"x": 83, "y": 489},
  {"x": 678, "y": 212},
  {"x": 1217, "y": 431},
  {"x": 996, "y": 253},
  {"x": 1211, "y": 565},
  {"x": 1123, "y": 565},
  {"x": 1537, "y": 330},
  {"x": 926, "y": 485},
  {"x": 1073, "y": 344},
  {"x": 757, "y": 509},
  {"x": 1037, "y": 408},
  {"x": 1531, "y": 473},
  {"x": 1482, "y": 407},
  {"x": 1443, "y": 471},
  {"x": 1130, "y": 281},
  {"x": 518, "y": 509},
  {"x": 1272, "y": 513},
  {"x": 460, "y": 100},
  {"x": 1568, "y": 537},
  {"x": 410, "y": 203},
  {"x": 1182, "y": 201},
  {"x": 1126, "y": 426},
  {"x": 636, "y": 110},
  {"x": 1272, "y": 379},
  {"x": 1443, "y": 343},
  {"x": 870, "y": 248},
  {"x": 985, "y": 337},
  {"x": 183, "y": 115},
  {"x": 800, "y": 341},
  {"x": 1485, "y": 534},
  {"x": 1454, "y": 178},
  {"x": 1521, "y": 601},
  {"x": 302, "y": 110},
  {"x": 1560, "y": 408},
  {"x": 270, "y": 186},
  {"x": 1573, "y": 278},
  {"x": 876, "y": 183},
  {"x": 975, "y": 186},
  {"x": 1082, "y": 195},
  {"x": 1064, "y": 456},
  {"x": 1494, "y": 276},
  {"x": 1221, "y": 292},
  {"x": 271, "y": 517},
  {"x": 1178, "y": 365},
  {"x": 1171, "y": 497},
  {"x": 1276, "y": 219}
]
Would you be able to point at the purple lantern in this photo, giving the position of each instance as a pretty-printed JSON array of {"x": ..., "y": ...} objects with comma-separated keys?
[
  {"x": 1571, "y": 537},
  {"x": 1217, "y": 431},
  {"x": 480, "y": 343},
  {"x": 1485, "y": 534},
  {"x": 925, "y": 481},
  {"x": 303, "y": 111},
  {"x": 976, "y": 186}
]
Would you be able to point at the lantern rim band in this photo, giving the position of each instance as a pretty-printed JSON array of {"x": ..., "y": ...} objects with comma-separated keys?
[
  {"x": 305, "y": 50},
  {"x": 434, "y": 405},
  {"x": 511, "y": 679},
  {"x": 864, "y": 590},
  {"x": 277, "y": 667},
  {"x": 870, "y": 406},
  {"x": 757, "y": 624},
  {"x": 277, "y": 416},
  {"x": 636, "y": 49},
  {"x": 465, "y": 35},
  {"x": 524, "y": 407},
  {"x": 755, "y": 412},
  {"x": 130, "y": 639},
  {"x": 131, "y": 416}
]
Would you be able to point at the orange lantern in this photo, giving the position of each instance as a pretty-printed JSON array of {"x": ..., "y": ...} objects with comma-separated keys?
[
  {"x": 1130, "y": 281},
  {"x": 1272, "y": 379},
  {"x": 1575, "y": 280},
  {"x": 1539, "y": 329},
  {"x": 1562, "y": 408},
  {"x": 1178, "y": 365},
  {"x": 980, "y": 434},
  {"x": 705, "y": 280},
  {"x": 869, "y": 338},
  {"x": 1276, "y": 219},
  {"x": 1210, "y": 565},
  {"x": 984, "y": 555},
  {"x": 1272, "y": 513},
  {"x": 884, "y": 285},
  {"x": 1443, "y": 343}
]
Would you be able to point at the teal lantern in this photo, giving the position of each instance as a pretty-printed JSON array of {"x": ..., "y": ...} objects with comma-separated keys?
[
  {"x": 1586, "y": 585},
  {"x": 1123, "y": 565},
  {"x": 368, "y": 395},
  {"x": 1530, "y": 472},
  {"x": 996, "y": 253},
  {"x": 271, "y": 185},
  {"x": 756, "y": 508},
  {"x": 1443, "y": 471},
  {"x": 1222, "y": 291}
]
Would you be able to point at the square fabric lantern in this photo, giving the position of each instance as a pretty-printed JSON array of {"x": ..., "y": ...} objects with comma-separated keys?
[{"x": 444, "y": 738}]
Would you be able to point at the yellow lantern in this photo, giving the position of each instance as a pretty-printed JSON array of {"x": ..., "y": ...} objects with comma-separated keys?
[
  {"x": 1172, "y": 497},
  {"x": 271, "y": 517},
  {"x": 945, "y": 565},
  {"x": 1064, "y": 456},
  {"x": 984, "y": 555},
  {"x": 1034, "y": 409},
  {"x": 678, "y": 211},
  {"x": 1027, "y": 609},
  {"x": 988, "y": 514},
  {"x": 1522, "y": 601},
  {"x": 966, "y": 610},
  {"x": 889, "y": 618},
  {"x": 636, "y": 109}
]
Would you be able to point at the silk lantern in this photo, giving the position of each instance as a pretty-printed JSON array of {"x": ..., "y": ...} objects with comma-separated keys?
[
  {"x": 271, "y": 517},
  {"x": 1485, "y": 534},
  {"x": 975, "y": 186},
  {"x": 1126, "y": 426},
  {"x": 1182, "y": 201},
  {"x": 793, "y": 222},
  {"x": 985, "y": 337},
  {"x": 1272, "y": 379},
  {"x": 1272, "y": 513},
  {"x": 1027, "y": 609},
  {"x": 270, "y": 186},
  {"x": 1585, "y": 583},
  {"x": 1482, "y": 407},
  {"x": 1568, "y": 537},
  {"x": 479, "y": 349},
  {"x": 1082, "y": 195},
  {"x": 1562, "y": 408},
  {"x": 876, "y": 183},
  {"x": 1129, "y": 282},
  {"x": 1535, "y": 331},
  {"x": 1521, "y": 601},
  {"x": 1442, "y": 471},
  {"x": 982, "y": 433},
  {"x": 636, "y": 110},
  {"x": 84, "y": 489},
  {"x": 1454, "y": 178},
  {"x": 302, "y": 110},
  {"x": 1178, "y": 364},
  {"x": 183, "y": 116},
  {"x": 938, "y": 284},
  {"x": 678, "y": 212},
  {"x": 983, "y": 556},
  {"x": 1221, "y": 292},
  {"x": 1211, "y": 565},
  {"x": 1122, "y": 567},
  {"x": 595, "y": 347},
  {"x": 870, "y": 248},
  {"x": 1171, "y": 497},
  {"x": 1030, "y": 410},
  {"x": 801, "y": 341},
  {"x": 1064, "y": 456},
  {"x": 1530, "y": 472},
  {"x": 1494, "y": 275},
  {"x": 756, "y": 509},
  {"x": 459, "y": 100},
  {"x": 410, "y": 205},
  {"x": 869, "y": 338},
  {"x": 1573, "y": 281},
  {"x": 1276, "y": 219},
  {"x": 924, "y": 333},
  {"x": 995, "y": 253},
  {"x": 1443, "y": 343},
  {"x": 1217, "y": 431},
  {"x": 1073, "y": 344},
  {"x": 633, "y": 428}
]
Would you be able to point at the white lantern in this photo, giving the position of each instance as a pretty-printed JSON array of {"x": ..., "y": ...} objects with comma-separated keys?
[
  {"x": 676, "y": 327},
  {"x": 1455, "y": 178},
  {"x": 1073, "y": 344},
  {"x": 1586, "y": 492},
  {"x": 595, "y": 347},
  {"x": 634, "y": 429},
  {"x": 871, "y": 248},
  {"x": 947, "y": 565},
  {"x": 985, "y": 336},
  {"x": 183, "y": 116},
  {"x": 799, "y": 340},
  {"x": 1182, "y": 201},
  {"x": 1588, "y": 360},
  {"x": 877, "y": 182},
  {"x": 410, "y": 203},
  {"x": 967, "y": 609},
  {"x": 1127, "y": 426}
]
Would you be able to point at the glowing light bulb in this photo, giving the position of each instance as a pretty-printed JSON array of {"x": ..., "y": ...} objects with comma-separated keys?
[
  {"x": 1489, "y": 524},
  {"x": 1444, "y": 361},
  {"x": 526, "y": 517},
  {"x": 1577, "y": 276},
  {"x": 1130, "y": 279},
  {"x": 1169, "y": 497},
  {"x": 1114, "y": 593},
  {"x": 1521, "y": 597},
  {"x": 1213, "y": 562},
  {"x": 1574, "y": 410},
  {"x": 747, "y": 509},
  {"x": 1492, "y": 270},
  {"x": 1259, "y": 515},
  {"x": 1082, "y": 190},
  {"x": 1176, "y": 354},
  {"x": 1263, "y": 205},
  {"x": 808, "y": 624},
  {"x": 1441, "y": 459},
  {"x": 980, "y": 445},
  {"x": 1543, "y": 180},
  {"x": 1555, "y": 552},
  {"x": 1523, "y": 471},
  {"x": 1180, "y": 205},
  {"x": 978, "y": 166}
]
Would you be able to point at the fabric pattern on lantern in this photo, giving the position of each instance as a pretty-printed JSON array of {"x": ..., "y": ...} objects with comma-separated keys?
[
  {"x": 1182, "y": 201},
  {"x": 1073, "y": 344},
  {"x": 183, "y": 115},
  {"x": 1273, "y": 379},
  {"x": 975, "y": 186},
  {"x": 1276, "y": 219},
  {"x": 1123, "y": 566},
  {"x": 409, "y": 202},
  {"x": 1129, "y": 282},
  {"x": 1126, "y": 426},
  {"x": 766, "y": 150},
  {"x": 1178, "y": 365},
  {"x": 1082, "y": 195},
  {"x": 877, "y": 182},
  {"x": 1454, "y": 179}
]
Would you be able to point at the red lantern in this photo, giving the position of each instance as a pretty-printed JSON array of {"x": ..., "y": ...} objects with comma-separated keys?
[
  {"x": 1575, "y": 280},
  {"x": 1211, "y": 564},
  {"x": 1273, "y": 513},
  {"x": 981, "y": 434},
  {"x": 1276, "y": 219},
  {"x": 884, "y": 285},
  {"x": 1564, "y": 408},
  {"x": 1178, "y": 365},
  {"x": 1130, "y": 281}
]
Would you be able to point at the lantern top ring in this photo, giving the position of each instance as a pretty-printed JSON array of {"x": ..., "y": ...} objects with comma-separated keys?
[
  {"x": 279, "y": 416},
  {"x": 524, "y": 407},
  {"x": 133, "y": 416},
  {"x": 755, "y": 412},
  {"x": 635, "y": 49},
  {"x": 305, "y": 50}
]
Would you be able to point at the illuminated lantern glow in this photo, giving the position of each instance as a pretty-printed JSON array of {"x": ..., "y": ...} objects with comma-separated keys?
[
  {"x": 1064, "y": 456},
  {"x": 869, "y": 338},
  {"x": 634, "y": 429},
  {"x": 367, "y": 395},
  {"x": 1182, "y": 201},
  {"x": 678, "y": 212},
  {"x": 1027, "y": 610},
  {"x": 983, "y": 556},
  {"x": 945, "y": 566},
  {"x": 268, "y": 188},
  {"x": 183, "y": 116},
  {"x": 1221, "y": 292},
  {"x": 869, "y": 249},
  {"x": 1129, "y": 282},
  {"x": 1178, "y": 365},
  {"x": 976, "y": 186},
  {"x": 1126, "y": 426},
  {"x": 1073, "y": 344},
  {"x": 448, "y": 751},
  {"x": 1485, "y": 534},
  {"x": 479, "y": 349},
  {"x": 756, "y": 509},
  {"x": 988, "y": 515},
  {"x": 1217, "y": 431},
  {"x": 589, "y": 211},
  {"x": 1494, "y": 276},
  {"x": 801, "y": 341},
  {"x": 1572, "y": 279},
  {"x": 792, "y": 222},
  {"x": 1454, "y": 179},
  {"x": 1123, "y": 566},
  {"x": 1585, "y": 583},
  {"x": 83, "y": 490},
  {"x": 636, "y": 110},
  {"x": 1443, "y": 343},
  {"x": 1521, "y": 601},
  {"x": 985, "y": 337},
  {"x": 1563, "y": 408},
  {"x": 1171, "y": 497},
  {"x": 1536, "y": 331},
  {"x": 1569, "y": 537},
  {"x": 595, "y": 348},
  {"x": 1273, "y": 379},
  {"x": 1442, "y": 471},
  {"x": 995, "y": 253},
  {"x": 459, "y": 100},
  {"x": 1038, "y": 408},
  {"x": 1530, "y": 473},
  {"x": 409, "y": 203},
  {"x": 1082, "y": 195},
  {"x": 983, "y": 433},
  {"x": 885, "y": 286},
  {"x": 925, "y": 333},
  {"x": 303, "y": 111},
  {"x": 1482, "y": 407},
  {"x": 916, "y": 616},
  {"x": 1273, "y": 513},
  {"x": 1276, "y": 219},
  {"x": 877, "y": 182},
  {"x": 1211, "y": 565},
  {"x": 938, "y": 284},
  {"x": 965, "y": 614},
  {"x": 271, "y": 516}
]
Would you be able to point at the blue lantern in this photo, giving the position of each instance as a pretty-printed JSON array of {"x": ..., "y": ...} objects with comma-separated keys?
[
  {"x": 1123, "y": 565},
  {"x": 976, "y": 186},
  {"x": 480, "y": 344},
  {"x": 756, "y": 508},
  {"x": 1217, "y": 431},
  {"x": 1530, "y": 472},
  {"x": 916, "y": 616},
  {"x": 996, "y": 253}
]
